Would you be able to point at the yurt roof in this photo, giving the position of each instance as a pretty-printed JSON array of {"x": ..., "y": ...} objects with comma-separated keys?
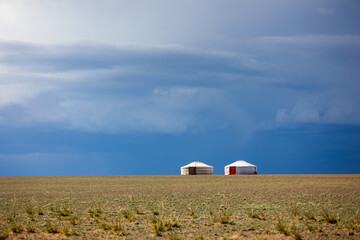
[
  {"x": 240, "y": 163},
  {"x": 197, "y": 164}
]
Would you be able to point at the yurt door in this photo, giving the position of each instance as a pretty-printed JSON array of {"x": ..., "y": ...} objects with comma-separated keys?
[
  {"x": 232, "y": 170},
  {"x": 192, "y": 170}
]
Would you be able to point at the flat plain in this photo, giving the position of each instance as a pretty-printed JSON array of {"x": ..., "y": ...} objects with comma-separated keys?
[{"x": 181, "y": 207}]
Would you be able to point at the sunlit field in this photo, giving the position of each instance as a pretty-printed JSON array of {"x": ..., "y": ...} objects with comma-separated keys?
[{"x": 181, "y": 207}]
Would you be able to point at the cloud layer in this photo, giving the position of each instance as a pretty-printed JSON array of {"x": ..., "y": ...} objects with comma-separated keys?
[
  {"x": 110, "y": 88},
  {"x": 173, "y": 88}
]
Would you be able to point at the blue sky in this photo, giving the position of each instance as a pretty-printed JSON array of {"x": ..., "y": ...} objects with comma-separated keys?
[{"x": 139, "y": 87}]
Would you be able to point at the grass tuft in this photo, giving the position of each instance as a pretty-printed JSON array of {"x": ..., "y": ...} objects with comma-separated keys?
[
  {"x": 297, "y": 236},
  {"x": 257, "y": 215},
  {"x": 52, "y": 228},
  {"x": 4, "y": 234},
  {"x": 104, "y": 226},
  {"x": 158, "y": 226},
  {"x": 296, "y": 211},
  {"x": 296, "y": 233},
  {"x": 118, "y": 228},
  {"x": 69, "y": 232},
  {"x": 30, "y": 210},
  {"x": 171, "y": 223},
  {"x": 32, "y": 218},
  {"x": 310, "y": 215},
  {"x": 173, "y": 236},
  {"x": 16, "y": 227},
  {"x": 330, "y": 217},
  {"x": 199, "y": 238},
  {"x": 283, "y": 227},
  {"x": 64, "y": 212},
  {"x": 74, "y": 220},
  {"x": 95, "y": 212},
  {"x": 11, "y": 216},
  {"x": 66, "y": 231},
  {"x": 40, "y": 211},
  {"x": 225, "y": 217},
  {"x": 138, "y": 211},
  {"x": 128, "y": 214},
  {"x": 30, "y": 228},
  {"x": 310, "y": 227},
  {"x": 192, "y": 213}
]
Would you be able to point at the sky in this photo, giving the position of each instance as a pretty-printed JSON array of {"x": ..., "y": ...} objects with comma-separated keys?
[{"x": 145, "y": 87}]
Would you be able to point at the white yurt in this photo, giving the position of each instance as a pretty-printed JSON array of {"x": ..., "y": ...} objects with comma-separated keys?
[
  {"x": 197, "y": 168},
  {"x": 240, "y": 168}
]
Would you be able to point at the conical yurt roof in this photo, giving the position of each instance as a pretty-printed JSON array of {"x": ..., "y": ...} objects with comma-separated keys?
[
  {"x": 240, "y": 163},
  {"x": 197, "y": 164}
]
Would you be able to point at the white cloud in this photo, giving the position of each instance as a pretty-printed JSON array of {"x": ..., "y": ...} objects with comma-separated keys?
[{"x": 126, "y": 91}]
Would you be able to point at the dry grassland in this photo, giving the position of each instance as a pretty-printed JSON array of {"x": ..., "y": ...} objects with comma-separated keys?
[{"x": 181, "y": 207}]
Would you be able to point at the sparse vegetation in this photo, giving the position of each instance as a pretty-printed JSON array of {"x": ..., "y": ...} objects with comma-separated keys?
[
  {"x": 158, "y": 226},
  {"x": 225, "y": 217},
  {"x": 32, "y": 218},
  {"x": 95, "y": 212},
  {"x": 29, "y": 210},
  {"x": 4, "y": 234},
  {"x": 104, "y": 226},
  {"x": 40, "y": 211},
  {"x": 295, "y": 232},
  {"x": 52, "y": 227},
  {"x": 74, "y": 220},
  {"x": 257, "y": 214},
  {"x": 16, "y": 227},
  {"x": 64, "y": 212},
  {"x": 129, "y": 215},
  {"x": 30, "y": 228},
  {"x": 297, "y": 236},
  {"x": 309, "y": 215},
  {"x": 330, "y": 217},
  {"x": 118, "y": 228},
  {"x": 171, "y": 222},
  {"x": 178, "y": 207},
  {"x": 192, "y": 213},
  {"x": 174, "y": 236},
  {"x": 310, "y": 227},
  {"x": 283, "y": 227},
  {"x": 66, "y": 231},
  {"x": 138, "y": 212},
  {"x": 296, "y": 211}
]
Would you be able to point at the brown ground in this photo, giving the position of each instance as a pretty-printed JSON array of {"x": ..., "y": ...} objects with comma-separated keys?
[{"x": 181, "y": 207}]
